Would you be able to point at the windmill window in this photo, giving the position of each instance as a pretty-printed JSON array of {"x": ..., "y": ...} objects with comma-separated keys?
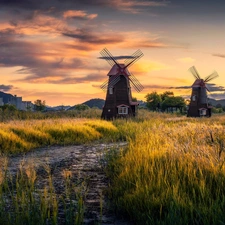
[
  {"x": 110, "y": 90},
  {"x": 202, "y": 112},
  {"x": 122, "y": 110}
]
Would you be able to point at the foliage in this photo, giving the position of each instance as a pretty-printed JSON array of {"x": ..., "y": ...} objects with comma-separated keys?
[
  {"x": 23, "y": 202},
  {"x": 39, "y": 105},
  {"x": 81, "y": 107},
  {"x": 217, "y": 110},
  {"x": 164, "y": 101},
  {"x": 153, "y": 101},
  {"x": 8, "y": 107},
  {"x": 27, "y": 115},
  {"x": 173, "y": 101},
  {"x": 172, "y": 172},
  {"x": 166, "y": 94}
]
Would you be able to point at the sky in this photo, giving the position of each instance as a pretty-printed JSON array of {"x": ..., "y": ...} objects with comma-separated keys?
[{"x": 50, "y": 49}]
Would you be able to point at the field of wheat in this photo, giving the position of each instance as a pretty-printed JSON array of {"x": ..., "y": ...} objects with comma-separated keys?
[{"x": 171, "y": 172}]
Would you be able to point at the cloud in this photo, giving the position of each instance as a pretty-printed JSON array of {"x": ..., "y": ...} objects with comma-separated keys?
[
  {"x": 219, "y": 55},
  {"x": 211, "y": 87},
  {"x": 215, "y": 88},
  {"x": 129, "y": 6},
  {"x": 5, "y": 87},
  {"x": 87, "y": 36},
  {"x": 155, "y": 86},
  {"x": 217, "y": 95},
  {"x": 180, "y": 87},
  {"x": 79, "y": 14}
]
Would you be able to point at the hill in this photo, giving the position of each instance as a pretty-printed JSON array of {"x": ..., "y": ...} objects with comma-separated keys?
[
  {"x": 214, "y": 102},
  {"x": 95, "y": 102}
]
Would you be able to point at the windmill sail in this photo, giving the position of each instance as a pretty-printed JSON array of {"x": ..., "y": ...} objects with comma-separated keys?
[
  {"x": 136, "y": 56},
  {"x": 194, "y": 72},
  {"x": 135, "y": 83}
]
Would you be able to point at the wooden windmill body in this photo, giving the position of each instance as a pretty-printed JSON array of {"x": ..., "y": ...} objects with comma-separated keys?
[
  {"x": 199, "y": 101},
  {"x": 118, "y": 102}
]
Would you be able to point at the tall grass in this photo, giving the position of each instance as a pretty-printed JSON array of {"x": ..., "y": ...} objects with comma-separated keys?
[
  {"x": 21, "y": 136},
  {"x": 172, "y": 171},
  {"x": 22, "y": 201}
]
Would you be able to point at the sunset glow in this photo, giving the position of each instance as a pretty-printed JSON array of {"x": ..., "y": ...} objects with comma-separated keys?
[{"x": 49, "y": 50}]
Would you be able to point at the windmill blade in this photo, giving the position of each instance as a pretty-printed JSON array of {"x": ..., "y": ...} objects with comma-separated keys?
[
  {"x": 211, "y": 77},
  {"x": 135, "y": 83},
  {"x": 114, "y": 80},
  {"x": 109, "y": 57},
  {"x": 136, "y": 56},
  {"x": 194, "y": 72},
  {"x": 104, "y": 86}
]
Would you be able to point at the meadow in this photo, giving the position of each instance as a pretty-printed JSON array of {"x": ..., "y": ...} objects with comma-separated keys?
[{"x": 171, "y": 172}]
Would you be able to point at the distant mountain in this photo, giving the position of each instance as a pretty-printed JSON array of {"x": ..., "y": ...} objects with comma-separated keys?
[
  {"x": 95, "y": 102},
  {"x": 214, "y": 102}
]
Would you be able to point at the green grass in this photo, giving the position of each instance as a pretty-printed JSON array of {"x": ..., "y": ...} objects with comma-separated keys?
[
  {"x": 22, "y": 202},
  {"x": 172, "y": 171}
]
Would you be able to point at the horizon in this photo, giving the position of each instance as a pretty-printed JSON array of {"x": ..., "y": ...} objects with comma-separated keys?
[{"x": 50, "y": 50}]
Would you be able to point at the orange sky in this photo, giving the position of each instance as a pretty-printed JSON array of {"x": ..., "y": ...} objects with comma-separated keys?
[{"x": 49, "y": 50}]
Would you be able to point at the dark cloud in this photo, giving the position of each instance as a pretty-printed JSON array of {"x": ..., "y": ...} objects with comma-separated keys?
[
  {"x": 89, "y": 37},
  {"x": 210, "y": 87},
  {"x": 56, "y": 5},
  {"x": 155, "y": 86},
  {"x": 5, "y": 87},
  {"x": 215, "y": 88},
  {"x": 180, "y": 87},
  {"x": 118, "y": 57},
  {"x": 219, "y": 55}
]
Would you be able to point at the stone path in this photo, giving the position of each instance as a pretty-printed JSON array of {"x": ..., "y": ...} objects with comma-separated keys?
[{"x": 82, "y": 161}]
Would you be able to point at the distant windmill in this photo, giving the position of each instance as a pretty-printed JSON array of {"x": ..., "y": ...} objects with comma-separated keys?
[
  {"x": 199, "y": 102},
  {"x": 118, "y": 102}
]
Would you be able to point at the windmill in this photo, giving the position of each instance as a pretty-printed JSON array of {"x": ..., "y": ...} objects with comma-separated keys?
[
  {"x": 118, "y": 102},
  {"x": 199, "y": 102}
]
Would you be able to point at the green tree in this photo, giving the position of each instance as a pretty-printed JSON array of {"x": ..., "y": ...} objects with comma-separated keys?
[
  {"x": 39, "y": 105},
  {"x": 8, "y": 107},
  {"x": 153, "y": 101},
  {"x": 81, "y": 107},
  {"x": 166, "y": 94},
  {"x": 173, "y": 102}
]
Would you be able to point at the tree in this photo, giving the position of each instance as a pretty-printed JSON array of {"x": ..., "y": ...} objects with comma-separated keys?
[
  {"x": 39, "y": 105},
  {"x": 81, "y": 107},
  {"x": 173, "y": 102},
  {"x": 166, "y": 94},
  {"x": 8, "y": 107},
  {"x": 134, "y": 99},
  {"x": 153, "y": 101}
]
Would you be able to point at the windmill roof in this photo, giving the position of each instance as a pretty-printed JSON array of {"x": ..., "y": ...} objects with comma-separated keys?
[
  {"x": 123, "y": 105},
  {"x": 134, "y": 103},
  {"x": 198, "y": 83},
  {"x": 115, "y": 70}
]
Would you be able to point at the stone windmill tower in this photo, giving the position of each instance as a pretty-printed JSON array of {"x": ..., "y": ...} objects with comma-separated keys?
[
  {"x": 118, "y": 102},
  {"x": 199, "y": 101}
]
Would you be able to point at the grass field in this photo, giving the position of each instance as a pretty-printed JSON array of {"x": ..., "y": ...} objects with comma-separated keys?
[{"x": 171, "y": 172}]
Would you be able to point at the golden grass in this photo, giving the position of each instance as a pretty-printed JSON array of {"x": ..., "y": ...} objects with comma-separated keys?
[
  {"x": 172, "y": 171},
  {"x": 20, "y": 136}
]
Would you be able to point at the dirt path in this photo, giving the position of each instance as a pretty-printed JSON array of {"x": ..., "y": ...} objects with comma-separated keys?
[{"x": 83, "y": 162}]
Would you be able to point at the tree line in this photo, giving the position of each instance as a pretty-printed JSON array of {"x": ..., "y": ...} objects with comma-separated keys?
[{"x": 165, "y": 102}]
